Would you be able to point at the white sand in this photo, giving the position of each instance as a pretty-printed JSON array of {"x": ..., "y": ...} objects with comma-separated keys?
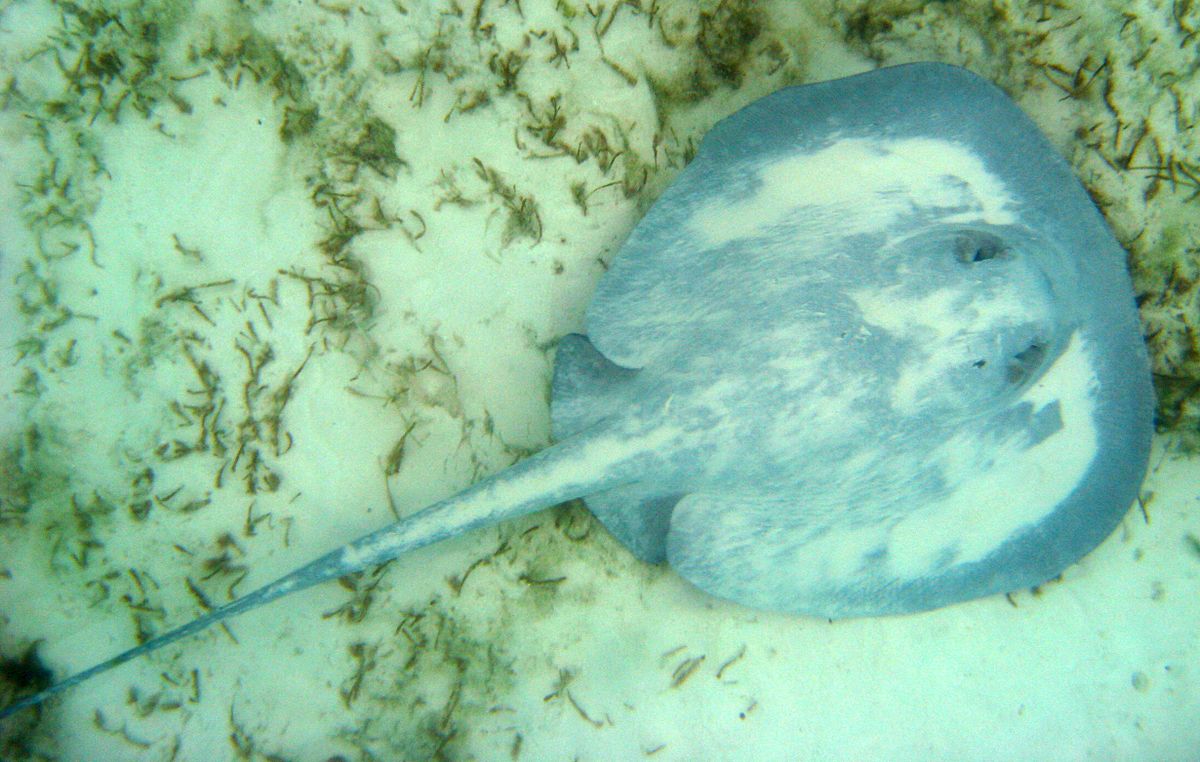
[{"x": 427, "y": 367}]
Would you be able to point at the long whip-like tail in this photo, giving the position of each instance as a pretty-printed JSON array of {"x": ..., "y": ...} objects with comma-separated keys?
[{"x": 562, "y": 472}]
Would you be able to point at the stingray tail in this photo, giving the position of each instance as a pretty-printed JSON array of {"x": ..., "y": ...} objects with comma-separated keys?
[{"x": 562, "y": 472}]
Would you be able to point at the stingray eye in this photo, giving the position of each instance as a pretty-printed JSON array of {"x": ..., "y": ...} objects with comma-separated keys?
[
  {"x": 976, "y": 246},
  {"x": 1025, "y": 364}
]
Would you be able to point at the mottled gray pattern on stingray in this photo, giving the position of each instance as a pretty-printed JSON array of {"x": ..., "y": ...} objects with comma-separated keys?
[{"x": 873, "y": 352}]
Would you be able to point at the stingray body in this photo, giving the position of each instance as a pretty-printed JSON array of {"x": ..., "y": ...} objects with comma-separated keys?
[{"x": 873, "y": 352}]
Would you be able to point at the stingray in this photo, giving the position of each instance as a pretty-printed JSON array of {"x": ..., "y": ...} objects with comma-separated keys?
[{"x": 874, "y": 352}]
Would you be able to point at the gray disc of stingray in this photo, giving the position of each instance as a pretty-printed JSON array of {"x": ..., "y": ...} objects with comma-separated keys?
[{"x": 873, "y": 352}]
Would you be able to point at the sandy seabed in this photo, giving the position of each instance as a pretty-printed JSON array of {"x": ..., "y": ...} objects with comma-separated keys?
[{"x": 273, "y": 274}]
